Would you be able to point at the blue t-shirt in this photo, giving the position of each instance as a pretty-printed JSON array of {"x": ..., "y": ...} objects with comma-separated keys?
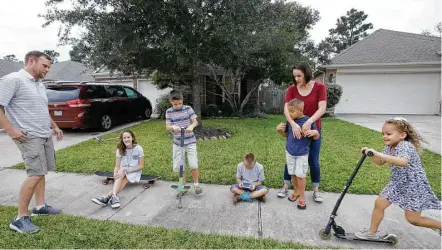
[{"x": 298, "y": 147}]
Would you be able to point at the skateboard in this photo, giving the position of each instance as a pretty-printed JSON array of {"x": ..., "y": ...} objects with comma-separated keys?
[{"x": 151, "y": 179}]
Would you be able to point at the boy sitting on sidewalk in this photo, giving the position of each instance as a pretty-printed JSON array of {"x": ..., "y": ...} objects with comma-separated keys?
[{"x": 249, "y": 176}]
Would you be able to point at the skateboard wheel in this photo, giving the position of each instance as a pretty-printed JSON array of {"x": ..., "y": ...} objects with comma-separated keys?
[
  {"x": 146, "y": 186},
  {"x": 393, "y": 239},
  {"x": 180, "y": 206},
  {"x": 105, "y": 182},
  {"x": 323, "y": 236}
]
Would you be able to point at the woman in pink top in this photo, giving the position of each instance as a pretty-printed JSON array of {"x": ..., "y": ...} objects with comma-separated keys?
[{"x": 314, "y": 95}]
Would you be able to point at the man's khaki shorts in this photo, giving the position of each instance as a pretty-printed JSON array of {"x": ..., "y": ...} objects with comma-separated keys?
[{"x": 38, "y": 155}]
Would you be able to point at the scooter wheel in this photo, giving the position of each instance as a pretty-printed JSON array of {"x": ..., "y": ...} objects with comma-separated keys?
[
  {"x": 105, "y": 182},
  {"x": 323, "y": 236},
  {"x": 393, "y": 240}
]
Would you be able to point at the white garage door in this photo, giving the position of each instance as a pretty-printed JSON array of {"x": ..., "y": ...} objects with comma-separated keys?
[
  {"x": 150, "y": 91},
  {"x": 403, "y": 93}
]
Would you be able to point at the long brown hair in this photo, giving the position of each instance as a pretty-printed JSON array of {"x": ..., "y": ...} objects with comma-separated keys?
[
  {"x": 121, "y": 146},
  {"x": 403, "y": 125}
]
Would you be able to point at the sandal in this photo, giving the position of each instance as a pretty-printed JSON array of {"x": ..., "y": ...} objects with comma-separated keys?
[
  {"x": 302, "y": 205},
  {"x": 293, "y": 197}
]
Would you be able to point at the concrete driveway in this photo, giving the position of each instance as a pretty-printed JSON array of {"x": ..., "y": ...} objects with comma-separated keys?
[
  {"x": 10, "y": 154},
  {"x": 429, "y": 127}
]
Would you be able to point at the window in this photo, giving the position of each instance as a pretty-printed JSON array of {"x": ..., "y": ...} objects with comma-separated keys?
[
  {"x": 94, "y": 92},
  {"x": 130, "y": 92},
  {"x": 62, "y": 94},
  {"x": 115, "y": 91}
]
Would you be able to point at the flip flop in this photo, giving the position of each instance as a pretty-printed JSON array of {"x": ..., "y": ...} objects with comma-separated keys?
[
  {"x": 302, "y": 205},
  {"x": 293, "y": 197}
]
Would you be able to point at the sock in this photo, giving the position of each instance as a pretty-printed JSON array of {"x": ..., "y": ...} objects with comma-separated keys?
[
  {"x": 195, "y": 183},
  {"x": 17, "y": 218},
  {"x": 39, "y": 207}
]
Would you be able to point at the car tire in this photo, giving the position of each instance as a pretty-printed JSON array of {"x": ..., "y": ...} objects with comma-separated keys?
[
  {"x": 105, "y": 122},
  {"x": 147, "y": 113}
]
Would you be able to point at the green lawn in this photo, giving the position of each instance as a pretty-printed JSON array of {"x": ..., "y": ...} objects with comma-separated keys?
[
  {"x": 65, "y": 231},
  {"x": 340, "y": 152}
]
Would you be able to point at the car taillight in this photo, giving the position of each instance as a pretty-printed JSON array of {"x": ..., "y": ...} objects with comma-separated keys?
[{"x": 78, "y": 103}]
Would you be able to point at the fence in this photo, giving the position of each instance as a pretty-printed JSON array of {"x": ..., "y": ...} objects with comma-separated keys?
[{"x": 272, "y": 100}]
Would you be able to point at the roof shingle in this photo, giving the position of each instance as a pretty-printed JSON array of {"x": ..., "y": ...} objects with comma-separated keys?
[{"x": 390, "y": 47}]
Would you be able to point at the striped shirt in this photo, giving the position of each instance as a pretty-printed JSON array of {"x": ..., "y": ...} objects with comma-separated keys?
[
  {"x": 26, "y": 104},
  {"x": 250, "y": 175},
  {"x": 181, "y": 118}
]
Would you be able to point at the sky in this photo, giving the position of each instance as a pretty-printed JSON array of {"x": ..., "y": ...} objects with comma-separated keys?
[{"x": 21, "y": 29}]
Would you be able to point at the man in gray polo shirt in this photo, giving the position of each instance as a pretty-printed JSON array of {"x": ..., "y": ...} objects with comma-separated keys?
[{"x": 25, "y": 117}]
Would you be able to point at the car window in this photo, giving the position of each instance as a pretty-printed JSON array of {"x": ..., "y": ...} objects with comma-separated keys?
[
  {"x": 66, "y": 94},
  {"x": 115, "y": 91},
  {"x": 94, "y": 92},
  {"x": 130, "y": 92}
]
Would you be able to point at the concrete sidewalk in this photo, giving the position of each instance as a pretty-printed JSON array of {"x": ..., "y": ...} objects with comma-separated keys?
[{"x": 213, "y": 212}]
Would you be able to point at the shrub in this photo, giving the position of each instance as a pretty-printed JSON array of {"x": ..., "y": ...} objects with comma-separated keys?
[{"x": 334, "y": 93}]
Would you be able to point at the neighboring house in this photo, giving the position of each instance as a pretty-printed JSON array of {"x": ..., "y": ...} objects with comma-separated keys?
[
  {"x": 69, "y": 71},
  {"x": 388, "y": 72},
  {"x": 7, "y": 67}
]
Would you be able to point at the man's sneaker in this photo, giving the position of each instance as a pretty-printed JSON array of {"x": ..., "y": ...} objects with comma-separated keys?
[
  {"x": 114, "y": 202},
  {"x": 236, "y": 199},
  {"x": 23, "y": 225},
  {"x": 283, "y": 193},
  {"x": 103, "y": 201},
  {"x": 45, "y": 210},
  {"x": 198, "y": 189},
  {"x": 317, "y": 197},
  {"x": 367, "y": 235},
  {"x": 182, "y": 193}
]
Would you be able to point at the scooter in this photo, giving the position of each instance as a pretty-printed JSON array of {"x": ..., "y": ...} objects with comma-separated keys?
[
  {"x": 180, "y": 187},
  {"x": 339, "y": 232}
]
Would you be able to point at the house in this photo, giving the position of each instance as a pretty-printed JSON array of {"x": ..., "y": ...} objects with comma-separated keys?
[
  {"x": 69, "y": 71},
  {"x": 7, "y": 67},
  {"x": 388, "y": 72}
]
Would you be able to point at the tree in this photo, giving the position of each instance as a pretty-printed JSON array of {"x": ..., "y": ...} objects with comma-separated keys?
[
  {"x": 11, "y": 57},
  {"x": 349, "y": 29},
  {"x": 177, "y": 39},
  {"x": 438, "y": 29},
  {"x": 53, "y": 54}
]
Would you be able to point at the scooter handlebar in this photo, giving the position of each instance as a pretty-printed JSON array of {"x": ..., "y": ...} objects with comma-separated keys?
[{"x": 368, "y": 153}]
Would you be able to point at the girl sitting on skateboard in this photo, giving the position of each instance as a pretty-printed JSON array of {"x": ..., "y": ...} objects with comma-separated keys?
[
  {"x": 249, "y": 178},
  {"x": 408, "y": 187},
  {"x": 128, "y": 167}
]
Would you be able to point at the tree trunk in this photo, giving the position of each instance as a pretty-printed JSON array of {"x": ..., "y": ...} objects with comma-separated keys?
[
  {"x": 196, "y": 97},
  {"x": 247, "y": 98}
]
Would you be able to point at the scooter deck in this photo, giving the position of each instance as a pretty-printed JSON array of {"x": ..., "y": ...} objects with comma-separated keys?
[
  {"x": 385, "y": 239},
  {"x": 183, "y": 188}
]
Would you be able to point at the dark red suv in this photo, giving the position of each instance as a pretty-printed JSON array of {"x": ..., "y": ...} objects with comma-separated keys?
[{"x": 95, "y": 105}]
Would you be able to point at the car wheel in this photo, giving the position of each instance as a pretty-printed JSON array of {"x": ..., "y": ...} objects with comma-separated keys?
[
  {"x": 147, "y": 113},
  {"x": 105, "y": 122}
]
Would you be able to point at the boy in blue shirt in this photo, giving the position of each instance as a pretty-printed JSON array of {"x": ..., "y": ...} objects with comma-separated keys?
[{"x": 297, "y": 150}]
